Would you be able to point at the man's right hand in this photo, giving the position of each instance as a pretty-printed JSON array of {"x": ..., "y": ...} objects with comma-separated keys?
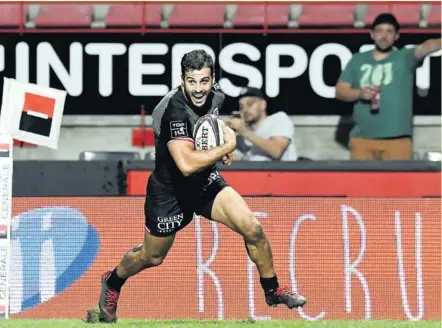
[
  {"x": 229, "y": 138},
  {"x": 368, "y": 92},
  {"x": 227, "y": 159}
]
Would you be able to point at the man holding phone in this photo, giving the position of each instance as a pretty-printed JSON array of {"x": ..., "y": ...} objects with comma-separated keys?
[{"x": 261, "y": 137}]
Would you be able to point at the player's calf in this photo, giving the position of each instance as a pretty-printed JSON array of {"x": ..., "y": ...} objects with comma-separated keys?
[
  {"x": 230, "y": 209},
  {"x": 253, "y": 231},
  {"x": 134, "y": 261},
  {"x": 258, "y": 248},
  {"x": 111, "y": 284},
  {"x": 137, "y": 260}
]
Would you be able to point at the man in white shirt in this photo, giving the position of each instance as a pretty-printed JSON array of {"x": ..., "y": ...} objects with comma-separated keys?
[{"x": 262, "y": 137}]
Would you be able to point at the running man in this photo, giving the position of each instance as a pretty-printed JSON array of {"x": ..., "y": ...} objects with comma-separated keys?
[{"x": 185, "y": 181}]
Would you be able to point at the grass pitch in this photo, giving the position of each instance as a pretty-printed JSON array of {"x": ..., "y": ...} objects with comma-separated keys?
[{"x": 122, "y": 323}]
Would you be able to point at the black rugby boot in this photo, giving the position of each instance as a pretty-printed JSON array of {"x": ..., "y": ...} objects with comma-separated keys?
[
  {"x": 108, "y": 301},
  {"x": 284, "y": 296}
]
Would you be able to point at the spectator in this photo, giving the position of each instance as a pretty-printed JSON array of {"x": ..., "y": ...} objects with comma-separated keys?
[
  {"x": 380, "y": 82},
  {"x": 262, "y": 137}
]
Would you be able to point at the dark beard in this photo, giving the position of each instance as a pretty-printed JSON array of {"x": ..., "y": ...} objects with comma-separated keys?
[
  {"x": 251, "y": 122},
  {"x": 386, "y": 50}
]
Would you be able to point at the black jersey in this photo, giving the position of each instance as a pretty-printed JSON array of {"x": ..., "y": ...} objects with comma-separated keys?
[{"x": 174, "y": 118}]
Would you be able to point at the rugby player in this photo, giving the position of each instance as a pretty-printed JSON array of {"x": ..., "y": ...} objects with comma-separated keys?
[{"x": 186, "y": 181}]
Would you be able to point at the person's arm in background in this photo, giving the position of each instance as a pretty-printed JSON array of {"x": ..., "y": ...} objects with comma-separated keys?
[
  {"x": 426, "y": 48},
  {"x": 415, "y": 56},
  {"x": 344, "y": 87},
  {"x": 237, "y": 155},
  {"x": 275, "y": 145}
]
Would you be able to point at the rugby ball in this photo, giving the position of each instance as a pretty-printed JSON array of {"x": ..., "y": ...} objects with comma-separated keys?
[{"x": 208, "y": 132}]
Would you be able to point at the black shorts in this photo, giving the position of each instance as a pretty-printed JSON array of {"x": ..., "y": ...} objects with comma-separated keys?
[{"x": 167, "y": 212}]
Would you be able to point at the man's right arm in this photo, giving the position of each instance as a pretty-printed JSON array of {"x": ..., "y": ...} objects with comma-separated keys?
[
  {"x": 345, "y": 92},
  {"x": 190, "y": 161},
  {"x": 344, "y": 89},
  {"x": 176, "y": 131}
]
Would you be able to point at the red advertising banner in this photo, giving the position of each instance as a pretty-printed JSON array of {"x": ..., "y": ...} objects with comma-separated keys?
[
  {"x": 353, "y": 258},
  {"x": 297, "y": 183}
]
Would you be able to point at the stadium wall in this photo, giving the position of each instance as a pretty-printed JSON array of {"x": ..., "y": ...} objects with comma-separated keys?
[
  {"x": 303, "y": 178},
  {"x": 373, "y": 253},
  {"x": 353, "y": 258}
]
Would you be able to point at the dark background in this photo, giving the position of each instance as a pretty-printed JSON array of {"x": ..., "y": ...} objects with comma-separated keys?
[{"x": 296, "y": 96}]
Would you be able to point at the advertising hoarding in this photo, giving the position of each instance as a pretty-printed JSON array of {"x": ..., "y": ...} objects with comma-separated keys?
[
  {"x": 111, "y": 73},
  {"x": 353, "y": 258}
]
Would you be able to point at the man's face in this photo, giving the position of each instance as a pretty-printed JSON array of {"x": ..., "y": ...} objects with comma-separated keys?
[
  {"x": 251, "y": 108},
  {"x": 197, "y": 85},
  {"x": 384, "y": 36}
]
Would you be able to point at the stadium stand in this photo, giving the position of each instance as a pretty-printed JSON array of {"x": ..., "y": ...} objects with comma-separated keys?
[
  {"x": 407, "y": 14},
  {"x": 132, "y": 14},
  {"x": 208, "y": 15},
  {"x": 10, "y": 14},
  {"x": 249, "y": 15},
  {"x": 326, "y": 15},
  {"x": 70, "y": 15},
  {"x": 372, "y": 10},
  {"x": 434, "y": 17},
  {"x": 240, "y": 15}
]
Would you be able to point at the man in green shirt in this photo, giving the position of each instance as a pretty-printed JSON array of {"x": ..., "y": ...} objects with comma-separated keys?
[{"x": 380, "y": 83}]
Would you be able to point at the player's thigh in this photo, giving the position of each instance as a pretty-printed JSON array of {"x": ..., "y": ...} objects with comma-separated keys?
[
  {"x": 156, "y": 248},
  {"x": 230, "y": 209},
  {"x": 166, "y": 216}
]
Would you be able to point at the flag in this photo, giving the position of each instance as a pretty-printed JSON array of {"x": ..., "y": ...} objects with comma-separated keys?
[
  {"x": 31, "y": 113},
  {"x": 37, "y": 113}
]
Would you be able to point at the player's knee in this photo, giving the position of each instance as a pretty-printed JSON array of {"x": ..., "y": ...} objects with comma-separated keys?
[
  {"x": 254, "y": 233},
  {"x": 149, "y": 260},
  {"x": 156, "y": 261}
]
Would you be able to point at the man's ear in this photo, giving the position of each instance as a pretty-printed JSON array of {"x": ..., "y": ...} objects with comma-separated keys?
[{"x": 263, "y": 104}]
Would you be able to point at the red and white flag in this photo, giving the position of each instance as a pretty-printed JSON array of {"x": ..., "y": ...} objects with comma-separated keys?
[{"x": 32, "y": 113}]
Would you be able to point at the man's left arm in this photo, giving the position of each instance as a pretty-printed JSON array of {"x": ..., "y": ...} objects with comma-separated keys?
[
  {"x": 278, "y": 142},
  {"x": 274, "y": 146},
  {"x": 427, "y": 47}
]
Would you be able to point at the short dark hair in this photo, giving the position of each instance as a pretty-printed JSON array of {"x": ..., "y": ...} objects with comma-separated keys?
[
  {"x": 196, "y": 60},
  {"x": 386, "y": 18}
]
